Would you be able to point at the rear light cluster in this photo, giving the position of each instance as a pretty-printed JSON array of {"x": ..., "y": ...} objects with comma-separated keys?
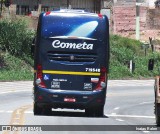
[
  {"x": 100, "y": 15},
  {"x": 102, "y": 79},
  {"x": 39, "y": 79},
  {"x": 48, "y": 13}
]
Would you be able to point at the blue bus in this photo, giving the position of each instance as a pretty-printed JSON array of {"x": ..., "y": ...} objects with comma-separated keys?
[{"x": 71, "y": 62}]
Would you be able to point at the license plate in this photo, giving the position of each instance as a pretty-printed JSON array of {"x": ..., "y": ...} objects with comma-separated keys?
[
  {"x": 55, "y": 84},
  {"x": 69, "y": 99}
]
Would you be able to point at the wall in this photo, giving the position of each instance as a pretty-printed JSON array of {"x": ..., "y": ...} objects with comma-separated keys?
[
  {"x": 90, "y": 5},
  {"x": 124, "y": 21}
]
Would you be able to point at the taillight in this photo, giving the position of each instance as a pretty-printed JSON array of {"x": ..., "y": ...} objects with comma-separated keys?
[
  {"x": 39, "y": 79},
  {"x": 100, "y": 15},
  {"x": 102, "y": 79},
  {"x": 48, "y": 13}
]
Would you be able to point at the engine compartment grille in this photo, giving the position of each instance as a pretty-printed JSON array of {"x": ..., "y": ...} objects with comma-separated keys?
[{"x": 71, "y": 57}]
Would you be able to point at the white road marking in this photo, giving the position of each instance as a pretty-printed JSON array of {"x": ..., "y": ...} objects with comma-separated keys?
[
  {"x": 16, "y": 123},
  {"x": 113, "y": 83},
  {"x": 119, "y": 120},
  {"x": 113, "y": 113},
  {"x": 9, "y": 111},
  {"x": 18, "y": 112},
  {"x": 116, "y": 108},
  {"x": 109, "y": 115},
  {"x": 13, "y": 91},
  {"x": 145, "y": 131},
  {"x": 16, "y": 118},
  {"x": 149, "y": 102},
  {"x": 130, "y": 116},
  {"x": 23, "y": 107},
  {"x": 28, "y": 112}
]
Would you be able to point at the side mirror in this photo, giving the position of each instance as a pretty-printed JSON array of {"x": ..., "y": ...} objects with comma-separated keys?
[
  {"x": 151, "y": 64},
  {"x": 33, "y": 46}
]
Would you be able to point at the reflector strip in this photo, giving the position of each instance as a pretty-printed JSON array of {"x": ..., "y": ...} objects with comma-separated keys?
[{"x": 71, "y": 73}]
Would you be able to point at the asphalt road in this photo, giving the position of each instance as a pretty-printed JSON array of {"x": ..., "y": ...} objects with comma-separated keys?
[{"x": 127, "y": 103}]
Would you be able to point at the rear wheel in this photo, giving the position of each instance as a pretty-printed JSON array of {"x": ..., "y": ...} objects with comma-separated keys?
[
  {"x": 37, "y": 110},
  {"x": 99, "y": 111},
  {"x": 47, "y": 110},
  {"x": 89, "y": 112},
  {"x": 157, "y": 115},
  {"x": 158, "y": 120}
]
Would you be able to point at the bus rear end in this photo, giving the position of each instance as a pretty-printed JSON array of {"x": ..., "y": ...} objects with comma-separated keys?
[{"x": 71, "y": 62}]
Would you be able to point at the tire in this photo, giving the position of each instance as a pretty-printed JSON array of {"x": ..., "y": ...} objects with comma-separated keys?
[
  {"x": 37, "y": 110},
  {"x": 47, "y": 110},
  {"x": 99, "y": 111},
  {"x": 89, "y": 112},
  {"x": 157, "y": 115},
  {"x": 158, "y": 120}
]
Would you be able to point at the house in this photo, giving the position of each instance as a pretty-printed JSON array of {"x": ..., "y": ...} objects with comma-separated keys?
[{"x": 24, "y": 7}]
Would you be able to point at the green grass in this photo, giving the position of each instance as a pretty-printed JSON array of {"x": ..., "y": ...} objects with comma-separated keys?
[
  {"x": 122, "y": 51},
  {"x": 15, "y": 48},
  {"x": 13, "y": 68},
  {"x": 13, "y": 75}
]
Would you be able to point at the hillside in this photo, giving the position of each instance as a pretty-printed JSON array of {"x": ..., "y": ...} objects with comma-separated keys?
[{"x": 122, "y": 51}]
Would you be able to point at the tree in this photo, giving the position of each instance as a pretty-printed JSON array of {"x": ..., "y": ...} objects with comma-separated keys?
[
  {"x": 7, "y": 3},
  {"x": 157, "y": 3},
  {"x": 2, "y": 1}
]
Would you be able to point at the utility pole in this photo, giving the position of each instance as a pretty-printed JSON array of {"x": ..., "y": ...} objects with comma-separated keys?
[
  {"x": 67, "y": 4},
  {"x": 37, "y": 4},
  {"x": 137, "y": 21}
]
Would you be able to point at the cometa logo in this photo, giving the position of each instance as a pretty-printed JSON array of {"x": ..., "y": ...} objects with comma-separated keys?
[{"x": 58, "y": 44}]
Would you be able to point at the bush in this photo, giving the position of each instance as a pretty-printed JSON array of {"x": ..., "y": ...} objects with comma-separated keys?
[
  {"x": 14, "y": 68},
  {"x": 122, "y": 51},
  {"x": 15, "y": 37}
]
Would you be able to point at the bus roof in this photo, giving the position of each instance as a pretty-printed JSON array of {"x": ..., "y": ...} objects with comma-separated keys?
[
  {"x": 73, "y": 23},
  {"x": 72, "y": 12}
]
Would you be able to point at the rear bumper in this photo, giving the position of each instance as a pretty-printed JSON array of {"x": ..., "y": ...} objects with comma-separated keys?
[{"x": 55, "y": 98}]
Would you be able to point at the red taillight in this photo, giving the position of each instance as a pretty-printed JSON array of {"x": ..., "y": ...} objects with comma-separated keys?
[
  {"x": 39, "y": 80},
  {"x": 103, "y": 74},
  {"x": 39, "y": 71},
  {"x": 102, "y": 79},
  {"x": 48, "y": 13},
  {"x": 100, "y": 15}
]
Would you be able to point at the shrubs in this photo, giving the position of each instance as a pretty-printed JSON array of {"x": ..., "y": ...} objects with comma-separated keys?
[
  {"x": 15, "y": 37},
  {"x": 14, "y": 68},
  {"x": 122, "y": 51},
  {"x": 15, "y": 45}
]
